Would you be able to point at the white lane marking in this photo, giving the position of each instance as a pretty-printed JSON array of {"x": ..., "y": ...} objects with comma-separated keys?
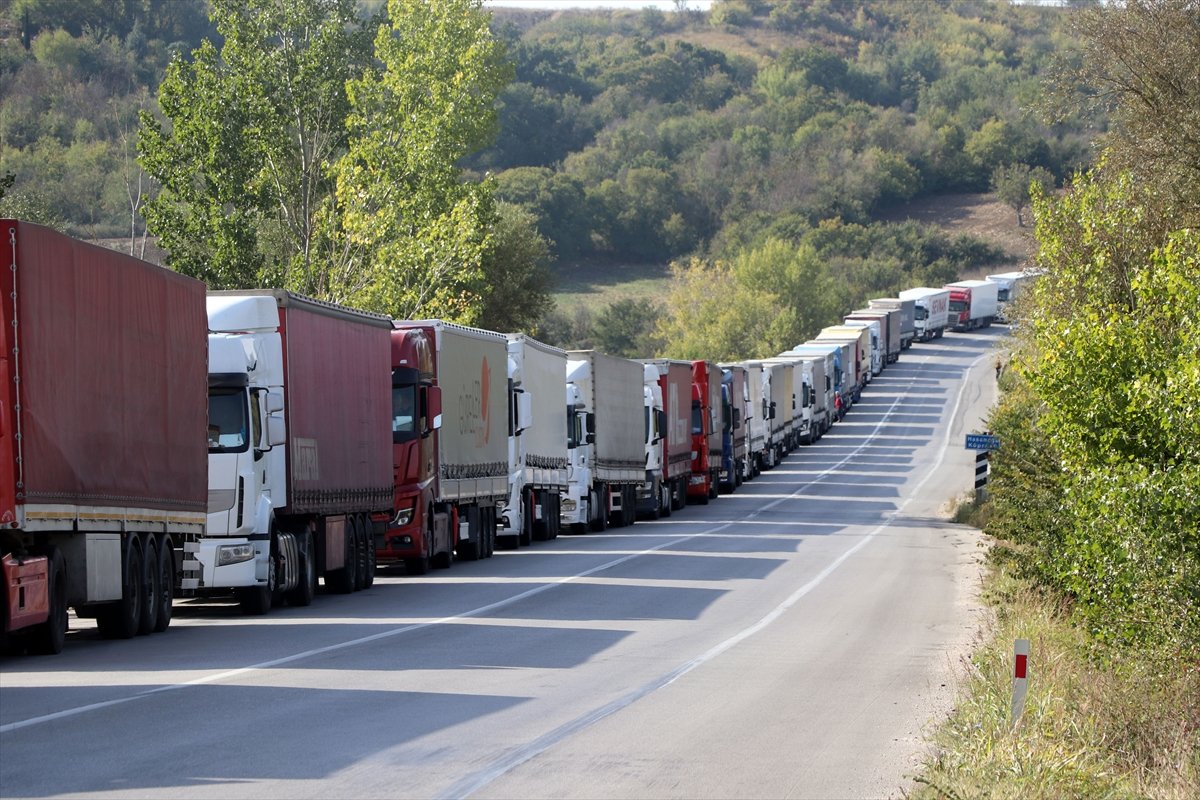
[
  {"x": 471, "y": 784},
  {"x": 415, "y": 626},
  {"x": 264, "y": 665}
]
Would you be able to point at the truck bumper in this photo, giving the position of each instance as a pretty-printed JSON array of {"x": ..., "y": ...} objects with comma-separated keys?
[
  {"x": 572, "y": 510},
  {"x": 250, "y": 572}
]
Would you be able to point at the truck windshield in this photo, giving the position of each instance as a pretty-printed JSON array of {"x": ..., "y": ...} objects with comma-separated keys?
[
  {"x": 228, "y": 421},
  {"x": 958, "y": 306},
  {"x": 404, "y": 411},
  {"x": 920, "y": 313}
]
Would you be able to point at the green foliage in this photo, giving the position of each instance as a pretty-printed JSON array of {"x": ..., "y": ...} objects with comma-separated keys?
[
  {"x": 1011, "y": 183},
  {"x": 247, "y": 191},
  {"x": 626, "y": 328},
  {"x": 516, "y": 273},
  {"x": 431, "y": 103},
  {"x": 1108, "y": 418}
]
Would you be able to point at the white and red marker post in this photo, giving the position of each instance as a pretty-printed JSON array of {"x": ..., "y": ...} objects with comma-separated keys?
[{"x": 1020, "y": 678}]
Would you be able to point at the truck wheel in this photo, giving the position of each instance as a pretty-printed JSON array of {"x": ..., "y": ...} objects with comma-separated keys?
[
  {"x": 472, "y": 549},
  {"x": 600, "y": 522},
  {"x": 554, "y": 520},
  {"x": 666, "y": 500},
  {"x": 369, "y": 544},
  {"x": 121, "y": 620},
  {"x": 530, "y": 528},
  {"x": 343, "y": 581},
  {"x": 151, "y": 586},
  {"x": 306, "y": 589},
  {"x": 488, "y": 517},
  {"x": 361, "y": 561},
  {"x": 166, "y": 584},
  {"x": 48, "y": 638}
]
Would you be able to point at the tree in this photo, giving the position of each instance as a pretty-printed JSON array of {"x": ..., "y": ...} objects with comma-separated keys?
[
  {"x": 6, "y": 183},
  {"x": 516, "y": 273},
  {"x": 431, "y": 103},
  {"x": 1011, "y": 185},
  {"x": 246, "y": 168},
  {"x": 1139, "y": 65},
  {"x": 626, "y": 328}
]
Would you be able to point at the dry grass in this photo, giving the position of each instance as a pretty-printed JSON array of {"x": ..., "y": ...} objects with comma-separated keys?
[{"x": 1089, "y": 730}]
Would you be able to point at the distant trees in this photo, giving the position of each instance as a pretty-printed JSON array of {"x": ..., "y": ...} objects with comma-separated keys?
[{"x": 1011, "y": 185}]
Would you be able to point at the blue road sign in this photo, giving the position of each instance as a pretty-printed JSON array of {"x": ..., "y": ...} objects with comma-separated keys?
[{"x": 982, "y": 441}]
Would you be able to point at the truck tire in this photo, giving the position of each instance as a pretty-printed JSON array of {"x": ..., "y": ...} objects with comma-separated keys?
[
  {"x": 343, "y": 581},
  {"x": 166, "y": 582},
  {"x": 306, "y": 587},
  {"x": 531, "y": 529},
  {"x": 472, "y": 549},
  {"x": 487, "y": 520},
  {"x": 121, "y": 619},
  {"x": 600, "y": 522},
  {"x": 362, "y": 562},
  {"x": 151, "y": 586},
  {"x": 48, "y": 638},
  {"x": 554, "y": 518},
  {"x": 369, "y": 544}
]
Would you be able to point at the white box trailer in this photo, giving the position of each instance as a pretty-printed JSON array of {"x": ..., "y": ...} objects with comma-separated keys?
[
  {"x": 1009, "y": 288},
  {"x": 607, "y": 447},
  {"x": 776, "y": 377},
  {"x": 889, "y": 323},
  {"x": 907, "y": 309},
  {"x": 932, "y": 312},
  {"x": 758, "y": 417},
  {"x": 973, "y": 304},
  {"x": 537, "y": 440}
]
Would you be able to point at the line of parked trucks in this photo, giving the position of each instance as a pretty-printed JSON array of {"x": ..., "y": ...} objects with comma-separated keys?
[{"x": 159, "y": 441}]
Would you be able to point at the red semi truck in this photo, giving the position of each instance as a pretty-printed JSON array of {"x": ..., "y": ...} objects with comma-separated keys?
[
  {"x": 449, "y": 475},
  {"x": 102, "y": 437},
  {"x": 706, "y": 432}
]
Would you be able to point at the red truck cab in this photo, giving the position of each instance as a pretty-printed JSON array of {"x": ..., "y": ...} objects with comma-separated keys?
[
  {"x": 411, "y": 535},
  {"x": 706, "y": 433},
  {"x": 960, "y": 309}
]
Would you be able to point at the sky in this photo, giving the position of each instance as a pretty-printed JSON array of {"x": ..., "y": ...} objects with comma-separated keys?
[{"x": 665, "y": 5}]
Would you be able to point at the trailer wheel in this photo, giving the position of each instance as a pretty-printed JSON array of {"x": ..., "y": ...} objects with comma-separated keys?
[
  {"x": 554, "y": 518},
  {"x": 306, "y": 588},
  {"x": 488, "y": 520},
  {"x": 122, "y": 619},
  {"x": 472, "y": 548},
  {"x": 666, "y": 500},
  {"x": 151, "y": 586},
  {"x": 342, "y": 581},
  {"x": 361, "y": 560},
  {"x": 48, "y": 638},
  {"x": 531, "y": 529},
  {"x": 166, "y": 583},
  {"x": 369, "y": 544}
]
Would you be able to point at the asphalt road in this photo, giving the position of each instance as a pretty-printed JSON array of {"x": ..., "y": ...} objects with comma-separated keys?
[{"x": 794, "y": 639}]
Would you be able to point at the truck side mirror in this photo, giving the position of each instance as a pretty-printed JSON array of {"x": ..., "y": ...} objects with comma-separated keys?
[
  {"x": 662, "y": 426},
  {"x": 433, "y": 407},
  {"x": 737, "y": 419},
  {"x": 524, "y": 410},
  {"x": 589, "y": 424},
  {"x": 276, "y": 431},
  {"x": 771, "y": 412},
  {"x": 274, "y": 403}
]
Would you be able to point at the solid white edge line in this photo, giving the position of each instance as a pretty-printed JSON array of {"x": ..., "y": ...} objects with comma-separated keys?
[
  {"x": 219, "y": 676},
  {"x": 468, "y": 786}
]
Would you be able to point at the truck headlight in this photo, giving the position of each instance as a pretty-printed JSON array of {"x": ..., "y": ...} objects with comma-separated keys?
[
  {"x": 234, "y": 554},
  {"x": 404, "y": 516}
]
